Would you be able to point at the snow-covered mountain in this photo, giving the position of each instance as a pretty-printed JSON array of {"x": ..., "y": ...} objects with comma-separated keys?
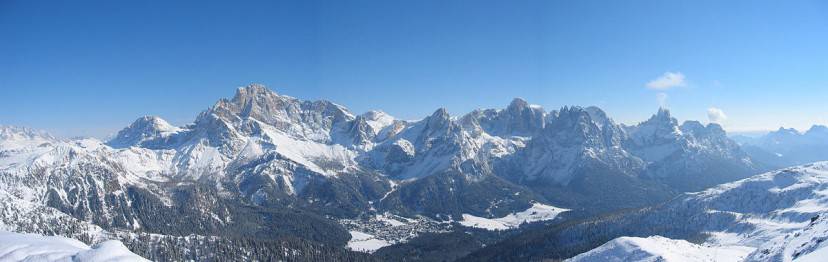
[
  {"x": 805, "y": 244},
  {"x": 262, "y": 166},
  {"x": 689, "y": 156},
  {"x": 776, "y": 216}
]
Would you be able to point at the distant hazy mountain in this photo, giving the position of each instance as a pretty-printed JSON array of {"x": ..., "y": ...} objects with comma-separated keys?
[
  {"x": 262, "y": 172},
  {"x": 787, "y": 147}
]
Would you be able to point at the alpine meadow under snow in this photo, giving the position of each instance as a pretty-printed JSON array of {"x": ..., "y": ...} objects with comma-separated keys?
[{"x": 268, "y": 177}]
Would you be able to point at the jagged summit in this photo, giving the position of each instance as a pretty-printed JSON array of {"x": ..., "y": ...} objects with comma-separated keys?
[
  {"x": 438, "y": 124},
  {"x": 312, "y": 120},
  {"x": 585, "y": 134},
  {"x": 518, "y": 104},
  {"x": 260, "y": 155},
  {"x": 439, "y": 118},
  {"x": 252, "y": 90},
  {"x": 441, "y": 113},
  {"x": 661, "y": 128},
  {"x": 257, "y": 101},
  {"x": 662, "y": 116},
  {"x": 518, "y": 119}
]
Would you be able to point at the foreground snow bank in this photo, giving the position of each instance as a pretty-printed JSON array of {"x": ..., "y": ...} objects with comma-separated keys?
[
  {"x": 32, "y": 247},
  {"x": 538, "y": 212},
  {"x": 657, "y": 248}
]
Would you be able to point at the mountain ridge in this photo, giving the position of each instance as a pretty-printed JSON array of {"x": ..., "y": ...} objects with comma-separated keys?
[{"x": 261, "y": 155}]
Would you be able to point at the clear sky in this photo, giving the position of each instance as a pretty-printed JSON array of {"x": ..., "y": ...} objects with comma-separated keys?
[{"x": 79, "y": 68}]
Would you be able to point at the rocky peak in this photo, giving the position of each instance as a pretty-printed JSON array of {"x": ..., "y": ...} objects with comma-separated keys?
[
  {"x": 440, "y": 119},
  {"x": 142, "y": 129},
  {"x": 663, "y": 116},
  {"x": 517, "y": 105},
  {"x": 716, "y": 129},
  {"x": 574, "y": 138},
  {"x": 524, "y": 119},
  {"x": 518, "y": 119},
  {"x": 698, "y": 130},
  {"x": 313, "y": 120},
  {"x": 252, "y": 91},
  {"x": 598, "y": 116},
  {"x": 575, "y": 124},
  {"x": 663, "y": 113},
  {"x": 258, "y": 102},
  {"x": 694, "y": 127},
  {"x": 357, "y": 132},
  {"x": 660, "y": 128}
]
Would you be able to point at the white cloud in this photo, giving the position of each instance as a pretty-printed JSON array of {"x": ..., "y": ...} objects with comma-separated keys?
[
  {"x": 716, "y": 115},
  {"x": 662, "y": 99},
  {"x": 667, "y": 80}
]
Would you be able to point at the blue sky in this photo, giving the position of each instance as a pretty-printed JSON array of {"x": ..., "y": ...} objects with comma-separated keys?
[{"x": 81, "y": 68}]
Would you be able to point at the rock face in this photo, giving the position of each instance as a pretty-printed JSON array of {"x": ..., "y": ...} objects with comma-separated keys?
[
  {"x": 518, "y": 119},
  {"x": 575, "y": 138},
  {"x": 260, "y": 155}
]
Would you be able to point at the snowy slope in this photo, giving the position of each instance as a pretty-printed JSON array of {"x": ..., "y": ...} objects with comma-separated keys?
[
  {"x": 365, "y": 242},
  {"x": 781, "y": 215},
  {"x": 818, "y": 255},
  {"x": 538, "y": 212},
  {"x": 660, "y": 249},
  {"x": 32, "y": 247},
  {"x": 806, "y": 244}
]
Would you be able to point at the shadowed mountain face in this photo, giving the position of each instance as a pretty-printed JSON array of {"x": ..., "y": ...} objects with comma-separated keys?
[{"x": 268, "y": 166}]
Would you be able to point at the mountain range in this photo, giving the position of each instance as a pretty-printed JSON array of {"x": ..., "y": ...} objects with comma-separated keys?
[
  {"x": 787, "y": 146},
  {"x": 265, "y": 176}
]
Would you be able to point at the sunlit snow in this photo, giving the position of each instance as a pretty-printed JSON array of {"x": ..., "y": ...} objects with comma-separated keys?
[
  {"x": 538, "y": 212},
  {"x": 365, "y": 242}
]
